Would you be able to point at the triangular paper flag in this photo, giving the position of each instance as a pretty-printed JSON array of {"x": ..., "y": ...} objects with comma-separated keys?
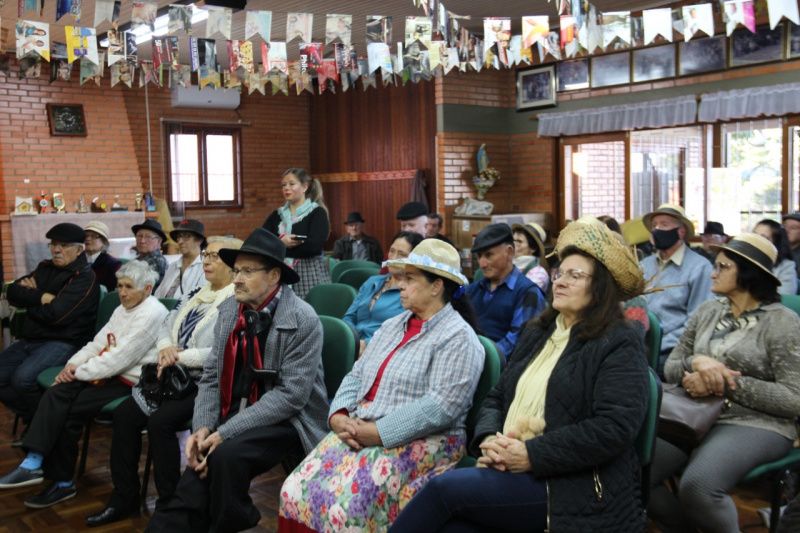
[
  {"x": 782, "y": 8},
  {"x": 33, "y": 38},
  {"x": 657, "y": 22},
  {"x": 338, "y": 28},
  {"x": 534, "y": 29},
  {"x": 219, "y": 21},
  {"x": 298, "y": 26},
  {"x": 377, "y": 56},
  {"x": 180, "y": 19},
  {"x": 81, "y": 42},
  {"x": 258, "y": 23},
  {"x": 616, "y": 25},
  {"x": 116, "y": 45},
  {"x": 739, "y": 12},
  {"x": 698, "y": 17}
]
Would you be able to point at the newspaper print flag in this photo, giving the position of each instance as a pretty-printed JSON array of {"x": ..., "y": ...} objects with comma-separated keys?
[
  {"x": 298, "y": 26},
  {"x": 91, "y": 70},
  {"x": 782, "y": 8},
  {"x": 497, "y": 32},
  {"x": 256, "y": 81},
  {"x": 106, "y": 10},
  {"x": 277, "y": 57},
  {"x": 698, "y": 17},
  {"x": 338, "y": 28},
  {"x": 378, "y": 56},
  {"x": 534, "y": 30},
  {"x": 116, "y": 45},
  {"x": 616, "y": 26},
  {"x": 418, "y": 29},
  {"x": 379, "y": 29},
  {"x": 81, "y": 42},
  {"x": 122, "y": 72},
  {"x": 143, "y": 14},
  {"x": 657, "y": 22},
  {"x": 327, "y": 75},
  {"x": 258, "y": 23},
  {"x": 179, "y": 19},
  {"x": 219, "y": 21},
  {"x": 739, "y": 12},
  {"x": 33, "y": 38}
]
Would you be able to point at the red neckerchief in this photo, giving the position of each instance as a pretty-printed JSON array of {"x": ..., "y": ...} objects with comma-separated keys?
[{"x": 229, "y": 359}]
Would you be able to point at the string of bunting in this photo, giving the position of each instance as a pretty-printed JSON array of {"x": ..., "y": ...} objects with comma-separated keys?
[{"x": 432, "y": 44}]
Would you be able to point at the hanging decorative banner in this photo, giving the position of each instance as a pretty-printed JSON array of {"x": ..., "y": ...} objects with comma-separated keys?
[
  {"x": 327, "y": 76},
  {"x": 179, "y": 19},
  {"x": 534, "y": 30},
  {"x": 33, "y": 38},
  {"x": 207, "y": 54},
  {"x": 564, "y": 7},
  {"x": 258, "y": 23},
  {"x": 219, "y": 21},
  {"x": 739, "y": 12},
  {"x": 418, "y": 29},
  {"x": 60, "y": 68},
  {"x": 143, "y": 14},
  {"x": 122, "y": 72},
  {"x": 367, "y": 79},
  {"x": 173, "y": 52},
  {"x": 279, "y": 82},
  {"x": 338, "y": 28},
  {"x": 131, "y": 48},
  {"x": 116, "y": 45},
  {"x": 397, "y": 59},
  {"x": 518, "y": 54},
  {"x": 441, "y": 25},
  {"x": 310, "y": 56},
  {"x": 298, "y": 26},
  {"x": 90, "y": 71},
  {"x": 379, "y": 56},
  {"x": 698, "y": 17},
  {"x": 194, "y": 54},
  {"x": 81, "y": 42},
  {"x": 240, "y": 53},
  {"x": 341, "y": 55},
  {"x": 63, "y": 7},
  {"x": 497, "y": 31},
  {"x": 256, "y": 82},
  {"x": 657, "y": 22},
  {"x": 106, "y": 10},
  {"x": 437, "y": 55},
  {"x": 379, "y": 29},
  {"x": 569, "y": 35},
  {"x": 782, "y": 8},
  {"x": 181, "y": 76},
  {"x": 230, "y": 80},
  {"x": 208, "y": 77},
  {"x": 159, "y": 54},
  {"x": 277, "y": 57},
  {"x": 30, "y": 67},
  {"x": 594, "y": 30},
  {"x": 617, "y": 27},
  {"x": 453, "y": 60},
  {"x": 550, "y": 46},
  {"x": 24, "y": 6}
]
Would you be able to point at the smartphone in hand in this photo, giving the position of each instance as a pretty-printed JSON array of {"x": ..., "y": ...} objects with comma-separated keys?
[{"x": 300, "y": 237}]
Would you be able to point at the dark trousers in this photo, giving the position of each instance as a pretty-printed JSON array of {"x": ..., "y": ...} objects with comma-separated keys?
[
  {"x": 126, "y": 446},
  {"x": 221, "y": 501},
  {"x": 474, "y": 500},
  {"x": 56, "y": 427}
]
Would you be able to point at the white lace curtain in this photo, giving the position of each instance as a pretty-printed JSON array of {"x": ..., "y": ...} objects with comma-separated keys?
[{"x": 771, "y": 100}]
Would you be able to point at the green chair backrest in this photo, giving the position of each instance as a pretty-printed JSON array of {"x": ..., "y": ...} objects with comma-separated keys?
[
  {"x": 652, "y": 340},
  {"x": 355, "y": 277},
  {"x": 332, "y": 261},
  {"x": 489, "y": 378},
  {"x": 477, "y": 275},
  {"x": 169, "y": 303},
  {"x": 47, "y": 376},
  {"x": 345, "y": 265},
  {"x": 646, "y": 439},
  {"x": 331, "y": 299},
  {"x": 106, "y": 308},
  {"x": 338, "y": 352},
  {"x": 792, "y": 301}
]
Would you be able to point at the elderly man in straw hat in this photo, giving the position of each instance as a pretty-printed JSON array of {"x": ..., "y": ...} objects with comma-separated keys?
[
  {"x": 105, "y": 265},
  {"x": 679, "y": 278}
]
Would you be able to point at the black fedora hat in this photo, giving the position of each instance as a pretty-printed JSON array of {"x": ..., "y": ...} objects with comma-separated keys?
[
  {"x": 411, "y": 210},
  {"x": 263, "y": 243},
  {"x": 354, "y": 218},
  {"x": 192, "y": 226},
  {"x": 491, "y": 236},
  {"x": 66, "y": 232},
  {"x": 152, "y": 225},
  {"x": 714, "y": 228}
]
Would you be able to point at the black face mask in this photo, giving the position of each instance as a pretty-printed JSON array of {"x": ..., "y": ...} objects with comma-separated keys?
[{"x": 664, "y": 239}]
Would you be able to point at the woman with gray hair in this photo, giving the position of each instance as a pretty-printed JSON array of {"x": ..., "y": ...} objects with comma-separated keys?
[{"x": 112, "y": 359}]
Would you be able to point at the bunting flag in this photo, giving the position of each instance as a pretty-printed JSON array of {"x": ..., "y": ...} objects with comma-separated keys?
[
  {"x": 277, "y": 57},
  {"x": 418, "y": 29},
  {"x": 594, "y": 30},
  {"x": 181, "y": 76},
  {"x": 279, "y": 82},
  {"x": 63, "y": 7},
  {"x": 378, "y": 56},
  {"x": 569, "y": 36},
  {"x": 657, "y": 22},
  {"x": 534, "y": 30},
  {"x": 230, "y": 80},
  {"x": 81, "y": 42},
  {"x": 497, "y": 32},
  {"x": 258, "y": 23},
  {"x": 91, "y": 71},
  {"x": 327, "y": 75},
  {"x": 30, "y": 67},
  {"x": 338, "y": 28},
  {"x": 207, "y": 55},
  {"x": 158, "y": 52},
  {"x": 550, "y": 46},
  {"x": 739, "y": 12},
  {"x": 453, "y": 60},
  {"x": 173, "y": 52},
  {"x": 256, "y": 82},
  {"x": 121, "y": 72},
  {"x": 116, "y": 45},
  {"x": 179, "y": 19},
  {"x": 437, "y": 55},
  {"x": 782, "y": 8},
  {"x": 60, "y": 69},
  {"x": 397, "y": 59},
  {"x": 367, "y": 78},
  {"x": 106, "y": 10},
  {"x": 36, "y": 6},
  {"x": 379, "y": 29},
  {"x": 298, "y": 26},
  {"x": 698, "y": 17},
  {"x": 219, "y": 21},
  {"x": 194, "y": 54},
  {"x": 143, "y": 14},
  {"x": 310, "y": 57},
  {"x": 616, "y": 27},
  {"x": 208, "y": 77},
  {"x": 33, "y": 38},
  {"x": 131, "y": 48}
]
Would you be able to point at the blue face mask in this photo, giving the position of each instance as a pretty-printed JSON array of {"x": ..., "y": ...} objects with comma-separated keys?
[{"x": 664, "y": 239}]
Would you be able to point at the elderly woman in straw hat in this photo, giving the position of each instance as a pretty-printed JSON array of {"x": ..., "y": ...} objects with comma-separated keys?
[
  {"x": 745, "y": 347},
  {"x": 96, "y": 244},
  {"x": 529, "y": 256},
  {"x": 398, "y": 417},
  {"x": 555, "y": 437}
]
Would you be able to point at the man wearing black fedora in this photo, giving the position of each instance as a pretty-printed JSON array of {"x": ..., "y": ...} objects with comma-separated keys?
[
  {"x": 185, "y": 274},
  {"x": 258, "y": 402},
  {"x": 713, "y": 235},
  {"x": 357, "y": 244},
  {"x": 149, "y": 236},
  {"x": 413, "y": 216},
  {"x": 60, "y": 301}
]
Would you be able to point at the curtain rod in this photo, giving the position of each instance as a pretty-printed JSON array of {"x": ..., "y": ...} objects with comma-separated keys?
[{"x": 239, "y": 122}]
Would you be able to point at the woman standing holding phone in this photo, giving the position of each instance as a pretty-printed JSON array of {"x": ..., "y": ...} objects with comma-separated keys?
[{"x": 302, "y": 224}]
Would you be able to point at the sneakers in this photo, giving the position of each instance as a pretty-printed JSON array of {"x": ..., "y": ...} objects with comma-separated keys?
[
  {"x": 21, "y": 477},
  {"x": 51, "y": 496}
]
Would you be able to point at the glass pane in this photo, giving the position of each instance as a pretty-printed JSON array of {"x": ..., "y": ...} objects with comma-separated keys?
[
  {"x": 749, "y": 189},
  {"x": 594, "y": 178},
  {"x": 184, "y": 168},
  {"x": 219, "y": 159},
  {"x": 794, "y": 168}
]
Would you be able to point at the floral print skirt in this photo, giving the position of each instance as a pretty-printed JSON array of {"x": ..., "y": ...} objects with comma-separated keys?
[{"x": 337, "y": 488}]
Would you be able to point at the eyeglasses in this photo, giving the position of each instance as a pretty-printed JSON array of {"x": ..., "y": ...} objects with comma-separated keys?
[
  {"x": 721, "y": 267},
  {"x": 247, "y": 272},
  {"x": 570, "y": 277},
  {"x": 212, "y": 256}
]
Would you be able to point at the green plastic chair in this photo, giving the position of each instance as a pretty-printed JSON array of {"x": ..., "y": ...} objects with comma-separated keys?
[
  {"x": 339, "y": 347},
  {"x": 332, "y": 261},
  {"x": 355, "y": 277},
  {"x": 342, "y": 266},
  {"x": 106, "y": 308},
  {"x": 492, "y": 367},
  {"x": 792, "y": 301},
  {"x": 169, "y": 303},
  {"x": 652, "y": 340},
  {"x": 477, "y": 275},
  {"x": 646, "y": 439},
  {"x": 331, "y": 299}
]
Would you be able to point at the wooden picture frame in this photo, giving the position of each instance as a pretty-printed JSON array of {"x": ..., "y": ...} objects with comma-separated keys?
[
  {"x": 702, "y": 55},
  {"x": 792, "y": 40},
  {"x": 654, "y": 63},
  {"x": 763, "y": 46},
  {"x": 66, "y": 120},
  {"x": 536, "y": 88},
  {"x": 611, "y": 69},
  {"x": 573, "y": 74}
]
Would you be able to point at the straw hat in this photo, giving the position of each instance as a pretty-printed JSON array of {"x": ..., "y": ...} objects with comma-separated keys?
[
  {"x": 593, "y": 237},
  {"x": 635, "y": 232},
  {"x": 98, "y": 227},
  {"x": 536, "y": 233},
  {"x": 675, "y": 211},
  {"x": 434, "y": 256},
  {"x": 755, "y": 249}
]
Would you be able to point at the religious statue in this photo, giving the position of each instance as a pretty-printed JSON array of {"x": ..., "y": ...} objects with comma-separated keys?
[{"x": 483, "y": 181}]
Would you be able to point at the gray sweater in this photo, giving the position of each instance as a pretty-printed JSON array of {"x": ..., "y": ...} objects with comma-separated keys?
[
  {"x": 295, "y": 342},
  {"x": 766, "y": 352}
]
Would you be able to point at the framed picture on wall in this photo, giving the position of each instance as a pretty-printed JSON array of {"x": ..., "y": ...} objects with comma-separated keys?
[
  {"x": 654, "y": 63},
  {"x": 536, "y": 88},
  {"x": 66, "y": 120},
  {"x": 746, "y": 48},
  {"x": 611, "y": 69},
  {"x": 573, "y": 74},
  {"x": 701, "y": 55},
  {"x": 793, "y": 41}
]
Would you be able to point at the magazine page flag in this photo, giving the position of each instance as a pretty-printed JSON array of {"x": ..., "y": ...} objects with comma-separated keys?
[
  {"x": 453, "y": 60},
  {"x": 246, "y": 59},
  {"x": 569, "y": 35},
  {"x": 63, "y": 7},
  {"x": 327, "y": 76},
  {"x": 437, "y": 55},
  {"x": 594, "y": 30},
  {"x": 106, "y": 10},
  {"x": 60, "y": 68},
  {"x": 24, "y": 6},
  {"x": 256, "y": 82},
  {"x": 279, "y": 82},
  {"x": 418, "y": 29},
  {"x": 194, "y": 54},
  {"x": 739, "y": 12},
  {"x": 782, "y": 8},
  {"x": 310, "y": 56},
  {"x": 33, "y": 38},
  {"x": 116, "y": 45},
  {"x": 30, "y": 67},
  {"x": 181, "y": 76},
  {"x": 698, "y": 17},
  {"x": 379, "y": 29},
  {"x": 367, "y": 80},
  {"x": 577, "y": 12},
  {"x": 179, "y": 19},
  {"x": 441, "y": 25},
  {"x": 173, "y": 51},
  {"x": 277, "y": 57},
  {"x": 378, "y": 55},
  {"x": 207, "y": 53},
  {"x": 550, "y": 46},
  {"x": 258, "y": 23},
  {"x": 91, "y": 70},
  {"x": 496, "y": 31},
  {"x": 158, "y": 52},
  {"x": 219, "y": 21},
  {"x": 298, "y": 26},
  {"x": 616, "y": 26},
  {"x": 122, "y": 72},
  {"x": 534, "y": 29},
  {"x": 131, "y": 48},
  {"x": 230, "y": 80},
  {"x": 208, "y": 77},
  {"x": 143, "y": 13},
  {"x": 657, "y": 22},
  {"x": 81, "y": 42},
  {"x": 338, "y": 28},
  {"x": 397, "y": 59}
]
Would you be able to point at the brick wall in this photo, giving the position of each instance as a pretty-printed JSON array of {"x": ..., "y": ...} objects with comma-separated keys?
[{"x": 491, "y": 88}]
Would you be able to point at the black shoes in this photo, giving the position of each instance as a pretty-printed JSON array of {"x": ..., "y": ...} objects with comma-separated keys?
[
  {"x": 51, "y": 496},
  {"x": 107, "y": 516},
  {"x": 21, "y": 477}
]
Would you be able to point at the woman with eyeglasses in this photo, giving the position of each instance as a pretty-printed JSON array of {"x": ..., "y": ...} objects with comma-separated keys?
[
  {"x": 555, "y": 437},
  {"x": 743, "y": 346},
  {"x": 185, "y": 338}
]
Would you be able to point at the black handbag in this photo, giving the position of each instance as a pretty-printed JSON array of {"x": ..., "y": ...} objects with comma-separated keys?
[
  {"x": 176, "y": 382},
  {"x": 684, "y": 420}
]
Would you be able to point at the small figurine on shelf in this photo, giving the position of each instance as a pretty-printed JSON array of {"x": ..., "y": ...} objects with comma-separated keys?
[
  {"x": 138, "y": 201},
  {"x": 116, "y": 206},
  {"x": 44, "y": 204},
  {"x": 23, "y": 205},
  {"x": 58, "y": 203},
  {"x": 149, "y": 202},
  {"x": 81, "y": 205},
  {"x": 98, "y": 206}
]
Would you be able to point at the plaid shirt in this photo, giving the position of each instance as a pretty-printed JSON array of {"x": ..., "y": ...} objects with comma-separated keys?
[{"x": 428, "y": 385}]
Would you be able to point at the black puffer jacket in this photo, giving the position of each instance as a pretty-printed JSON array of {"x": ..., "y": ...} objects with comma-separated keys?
[
  {"x": 595, "y": 404},
  {"x": 71, "y": 316}
]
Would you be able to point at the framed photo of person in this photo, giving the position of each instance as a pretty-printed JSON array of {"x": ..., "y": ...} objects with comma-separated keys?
[
  {"x": 746, "y": 48},
  {"x": 536, "y": 88},
  {"x": 701, "y": 55},
  {"x": 573, "y": 74},
  {"x": 66, "y": 120},
  {"x": 611, "y": 69},
  {"x": 654, "y": 63},
  {"x": 793, "y": 41}
]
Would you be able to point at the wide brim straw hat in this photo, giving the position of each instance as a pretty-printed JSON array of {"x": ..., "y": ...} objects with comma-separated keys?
[
  {"x": 98, "y": 227},
  {"x": 754, "y": 248},
  {"x": 536, "y": 233},
  {"x": 434, "y": 256},
  {"x": 675, "y": 211},
  {"x": 593, "y": 237}
]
